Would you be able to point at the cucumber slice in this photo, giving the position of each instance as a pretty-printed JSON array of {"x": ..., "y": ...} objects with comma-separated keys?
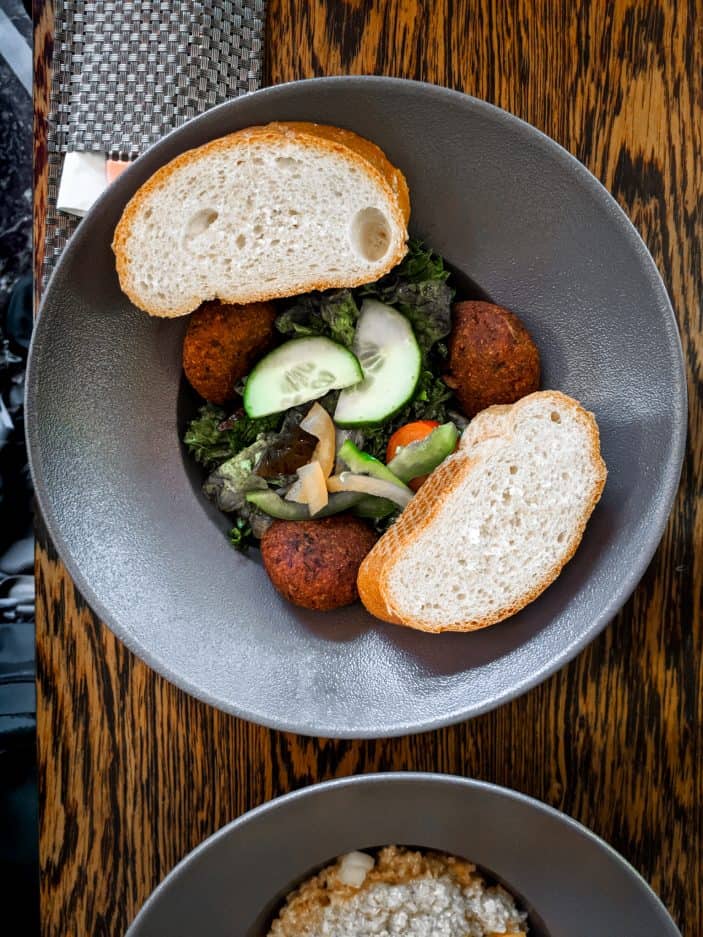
[
  {"x": 364, "y": 464},
  {"x": 385, "y": 345},
  {"x": 423, "y": 456},
  {"x": 298, "y": 371},
  {"x": 274, "y": 505}
]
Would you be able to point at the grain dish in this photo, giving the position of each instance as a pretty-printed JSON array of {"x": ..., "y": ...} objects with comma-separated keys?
[{"x": 399, "y": 891}]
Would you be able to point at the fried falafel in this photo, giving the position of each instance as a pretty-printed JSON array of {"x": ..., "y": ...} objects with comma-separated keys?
[
  {"x": 314, "y": 563},
  {"x": 222, "y": 343},
  {"x": 492, "y": 358}
]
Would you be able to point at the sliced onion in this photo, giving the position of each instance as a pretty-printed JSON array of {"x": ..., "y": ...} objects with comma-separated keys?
[
  {"x": 319, "y": 423},
  {"x": 348, "y": 481},
  {"x": 311, "y": 488},
  {"x": 295, "y": 492},
  {"x": 354, "y": 867}
]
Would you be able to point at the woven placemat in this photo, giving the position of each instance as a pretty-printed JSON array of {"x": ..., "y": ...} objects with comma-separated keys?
[{"x": 124, "y": 73}]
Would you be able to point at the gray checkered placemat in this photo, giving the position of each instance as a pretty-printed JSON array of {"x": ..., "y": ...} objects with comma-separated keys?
[{"x": 124, "y": 73}]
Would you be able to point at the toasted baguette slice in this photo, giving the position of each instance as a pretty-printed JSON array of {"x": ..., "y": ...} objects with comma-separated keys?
[
  {"x": 494, "y": 525},
  {"x": 265, "y": 212}
]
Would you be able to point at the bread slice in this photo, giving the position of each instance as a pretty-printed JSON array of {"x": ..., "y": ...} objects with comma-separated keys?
[
  {"x": 495, "y": 524},
  {"x": 265, "y": 212}
]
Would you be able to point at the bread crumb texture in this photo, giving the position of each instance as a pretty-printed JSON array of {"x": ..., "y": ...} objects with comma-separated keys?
[
  {"x": 265, "y": 212},
  {"x": 405, "y": 892},
  {"x": 495, "y": 523}
]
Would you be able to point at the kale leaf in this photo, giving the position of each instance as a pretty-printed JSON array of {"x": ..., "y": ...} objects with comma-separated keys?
[
  {"x": 212, "y": 438},
  {"x": 419, "y": 264},
  {"x": 428, "y": 306},
  {"x": 332, "y": 314},
  {"x": 418, "y": 288},
  {"x": 228, "y": 484},
  {"x": 241, "y": 536}
]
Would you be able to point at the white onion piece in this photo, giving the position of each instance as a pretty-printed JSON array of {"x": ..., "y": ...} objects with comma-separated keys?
[
  {"x": 295, "y": 492},
  {"x": 319, "y": 423},
  {"x": 354, "y": 867},
  {"x": 313, "y": 487},
  {"x": 365, "y": 484}
]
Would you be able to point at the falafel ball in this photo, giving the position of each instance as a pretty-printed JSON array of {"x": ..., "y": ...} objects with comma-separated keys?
[
  {"x": 314, "y": 563},
  {"x": 492, "y": 358},
  {"x": 222, "y": 343}
]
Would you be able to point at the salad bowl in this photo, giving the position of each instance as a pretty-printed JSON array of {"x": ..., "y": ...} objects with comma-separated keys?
[{"x": 519, "y": 220}]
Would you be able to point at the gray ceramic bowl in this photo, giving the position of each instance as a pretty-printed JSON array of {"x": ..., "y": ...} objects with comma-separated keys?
[
  {"x": 514, "y": 214},
  {"x": 571, "y": 882}
]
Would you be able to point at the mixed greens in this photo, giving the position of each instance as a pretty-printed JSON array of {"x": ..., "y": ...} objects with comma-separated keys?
[{"x": 258, "y": 459}]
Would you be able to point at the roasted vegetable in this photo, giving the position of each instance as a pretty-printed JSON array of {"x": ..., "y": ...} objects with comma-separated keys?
[
  {"x": 409, "y": 433},
  {"x": 415, "y": 455},
  {"x": 361, "y": 463},
  {"x": 286, "y": 452},
  {"x": 275, "y": 506},
  {"x": 319, "y": 424},
  {"x": 310, "y": 488},
  {"x": 368, "y": 485}
]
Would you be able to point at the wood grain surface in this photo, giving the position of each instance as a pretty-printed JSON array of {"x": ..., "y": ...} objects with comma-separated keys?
[{"x": 134, "y": 773}]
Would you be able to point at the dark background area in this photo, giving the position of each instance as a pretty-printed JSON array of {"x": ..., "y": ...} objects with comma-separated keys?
[{"x": 19, "y": 880}]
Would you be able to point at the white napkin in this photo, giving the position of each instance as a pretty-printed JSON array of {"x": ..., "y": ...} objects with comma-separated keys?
[{"x": 83, "y": 179}]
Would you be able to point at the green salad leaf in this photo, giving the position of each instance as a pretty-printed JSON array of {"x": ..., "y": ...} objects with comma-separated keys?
[
  {"x": 241, "y": 535},
  {"x": 428, "y": 306},
  {"x": 418, "y": 288},
  {"x": 431, "y": 399},
  {"x": 212, "y": 437},
  {"x": 420, "y": 264},
  {"x": 230, "y": 481},
  {"x": 332, "y": 314}
]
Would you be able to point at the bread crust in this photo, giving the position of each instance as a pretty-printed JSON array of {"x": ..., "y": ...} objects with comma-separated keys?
[
  {"x": 359, "y": 151},
  {"x": 369, "y": 151},
  {"x": 421, "y": 513}
]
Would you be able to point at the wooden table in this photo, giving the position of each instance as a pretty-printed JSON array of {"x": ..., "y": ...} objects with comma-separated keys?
[{"x": 134, "y": 773}]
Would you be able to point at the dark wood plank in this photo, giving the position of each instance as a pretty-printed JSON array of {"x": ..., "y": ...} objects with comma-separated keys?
[{"x": 134, "y": 773}]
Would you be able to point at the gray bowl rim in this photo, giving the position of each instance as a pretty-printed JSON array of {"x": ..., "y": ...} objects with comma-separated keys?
[
  {"x": 410, "y": 778},
  {"x": 639, "y": 562}
]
